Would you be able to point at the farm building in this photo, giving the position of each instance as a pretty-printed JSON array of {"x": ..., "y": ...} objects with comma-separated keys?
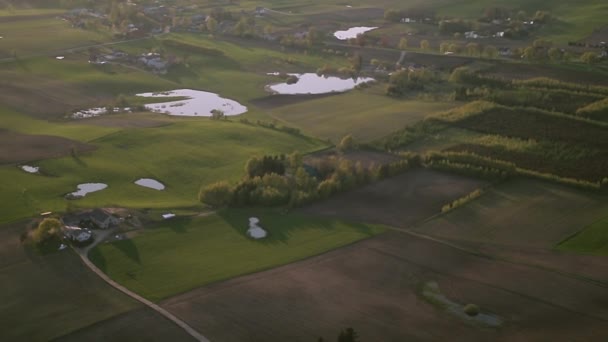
[
  {"x": 103, "y": 219},
  {"x": 77, "y": 234},
  {"x": 96, "y": 217}
]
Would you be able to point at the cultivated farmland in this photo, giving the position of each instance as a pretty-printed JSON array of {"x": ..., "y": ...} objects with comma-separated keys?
[
  {"x": 374, "y": 286},
  {"x": 400, "y": 201}
]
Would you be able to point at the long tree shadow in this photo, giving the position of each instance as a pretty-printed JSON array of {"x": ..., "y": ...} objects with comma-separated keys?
[
  {"x": 98, "y": 259},
  {"x": 129, "y": 249},
  {"x": 281, "y": 226}
]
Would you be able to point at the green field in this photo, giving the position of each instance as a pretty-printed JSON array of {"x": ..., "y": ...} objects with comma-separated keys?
[
  {"x": 183, "y": 155},
  {"x": 187, "y": 253},
  {"x": 591, "y": 240},
  {"x": 42, "y": 36},
  {"x": 367, "y": 115}
]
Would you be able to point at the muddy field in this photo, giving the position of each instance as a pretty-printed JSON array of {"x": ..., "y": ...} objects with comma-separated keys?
[
  {"x": 400, "y": 201},
  {"x": 138, "y": 325},
  {"x": 374, "y": 287},
  {"x": 18, "y": 147},
  {"x": 523, "y": 213}
]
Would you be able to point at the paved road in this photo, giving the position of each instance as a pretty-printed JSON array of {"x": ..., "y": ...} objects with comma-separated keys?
[{"x": 102, "y": 236}]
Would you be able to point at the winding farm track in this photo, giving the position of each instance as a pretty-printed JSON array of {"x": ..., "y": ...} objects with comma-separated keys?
[{"x": 83, "y": 253}]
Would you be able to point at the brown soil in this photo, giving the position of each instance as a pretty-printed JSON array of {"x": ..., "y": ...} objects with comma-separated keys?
[
  {"x": 18, "y": 147},
  {"x": 400, "y": 201},
  {"x": 373, "y": 286}
]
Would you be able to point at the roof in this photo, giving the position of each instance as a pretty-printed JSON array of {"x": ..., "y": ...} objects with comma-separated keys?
[{"x": 99, "y": 215}]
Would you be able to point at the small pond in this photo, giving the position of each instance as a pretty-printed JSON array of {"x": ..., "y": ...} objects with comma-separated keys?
[
  {"x": 198, "y": 103},
  {"x": 311, "y": 83},
  {"x": 150, "y": 183},
  {"x": 352, "y": 32},
  {"x": 86, "y": 188},
  {"x": 30, "y": 169}
]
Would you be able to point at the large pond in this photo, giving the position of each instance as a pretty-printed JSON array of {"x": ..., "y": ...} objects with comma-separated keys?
[
  {"x": 86, "y": 188},
  {"x": 352, "y": 32},
  {"x": 150, "y": 183},
  {"x": 197, "y": 103},
  {"x": 312, "y": 83}
]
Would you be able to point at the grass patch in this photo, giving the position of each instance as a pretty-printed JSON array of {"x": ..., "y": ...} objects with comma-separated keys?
[
  {"x": 364, "y": 114},
  {"x": 183, "y": 156},
  {"x": 591, "y": 240},
  {"x": 186, "y": 253}
]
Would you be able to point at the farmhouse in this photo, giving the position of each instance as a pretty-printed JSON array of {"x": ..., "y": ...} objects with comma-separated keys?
[
  {"x": 103, "y": 219},
  {"x": 77, "y": 234},
  {"x": 97, "y": 217}
]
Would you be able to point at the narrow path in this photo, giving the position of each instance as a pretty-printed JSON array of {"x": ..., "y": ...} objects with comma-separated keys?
[{"x": 83, "y": 253}]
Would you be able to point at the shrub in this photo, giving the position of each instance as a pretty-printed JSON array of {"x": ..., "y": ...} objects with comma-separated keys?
[{"x": 471, "y": 310}]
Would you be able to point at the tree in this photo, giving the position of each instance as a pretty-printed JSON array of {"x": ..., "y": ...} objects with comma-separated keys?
[
  {"x": 240, "y": 29},
  {"x": 47, "y": 229},
  {"x": 211, "y": 24},
  {"x": 589, "y": 57},
  {"x": 217, "y": 114},
  {"x": 348, "y": 335},
  {"x": 294, "y": 160},
  {"x": 424, "y": 45},
  {"x": 490, "y": 51},
  {"x": 346, "y": 144},
  {"x": 472, "y": 49},
  {"x": 392, "y": 15},
  {"x": 444, "y": 47},
  {"x": 218, "y": 194},
  {"x": 268, "y": 29},
  {"x": 403, "y": 43},
  {"x": 554, "y": 54}
]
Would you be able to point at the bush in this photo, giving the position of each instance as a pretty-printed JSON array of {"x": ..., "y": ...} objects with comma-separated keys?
[
  {"x": 48, "y": 229},
  {"x": 471, "y": 310},
  {"x": 217, "y": 195}
]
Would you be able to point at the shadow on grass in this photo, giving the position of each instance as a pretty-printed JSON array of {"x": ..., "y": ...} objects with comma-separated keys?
[
  {"x": 98, "y": 259},
  {"x": 280, "y": 226},
  {"x": 180, "y": 225},
  {"x": 129, "y": 249}
]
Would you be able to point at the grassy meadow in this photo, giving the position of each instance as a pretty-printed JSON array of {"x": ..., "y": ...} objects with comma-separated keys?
[
  {"x": 183, "y": 156},
  {"x": 366, "y": 114},
  {"x": 185, "y": 253},
  {"x": 44, "y": 35},
  {"x": 591, "y": 240}
]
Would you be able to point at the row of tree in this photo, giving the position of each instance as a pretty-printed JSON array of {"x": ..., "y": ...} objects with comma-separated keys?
[{"x": 276, "y": 180}]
